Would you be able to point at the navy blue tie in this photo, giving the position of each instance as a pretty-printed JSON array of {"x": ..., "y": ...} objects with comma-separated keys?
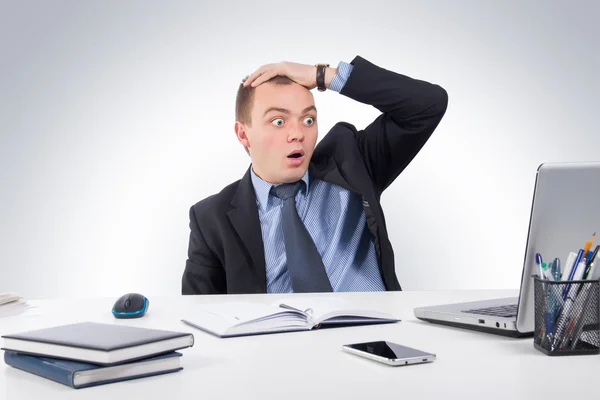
[{"x": 304, "y": 263}]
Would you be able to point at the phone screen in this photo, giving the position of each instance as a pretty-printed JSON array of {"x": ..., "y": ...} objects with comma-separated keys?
[{"x": 388, "y": 350}]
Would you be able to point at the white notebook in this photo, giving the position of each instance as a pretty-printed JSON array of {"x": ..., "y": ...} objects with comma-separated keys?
[
  {"x": 231, "y": 319},
  {"x": 12, "y": 304},
  {"x": 6, "y": 298}
]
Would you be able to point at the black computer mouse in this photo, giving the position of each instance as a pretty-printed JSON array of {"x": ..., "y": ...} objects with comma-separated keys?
[{"x": 131, "y": 305}]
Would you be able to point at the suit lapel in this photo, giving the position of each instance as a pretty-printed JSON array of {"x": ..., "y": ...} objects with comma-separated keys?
[{"x": 244, "y": 218}]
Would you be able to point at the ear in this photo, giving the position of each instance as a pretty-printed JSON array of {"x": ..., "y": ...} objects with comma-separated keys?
[{"x": 241, "y": 134}]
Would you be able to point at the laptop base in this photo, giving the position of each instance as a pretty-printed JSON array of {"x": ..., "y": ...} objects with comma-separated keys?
[{"x": 500, "y": 332}]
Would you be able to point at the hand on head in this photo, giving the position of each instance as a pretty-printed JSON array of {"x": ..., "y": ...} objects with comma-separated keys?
[{"x": 302, "y": 74}]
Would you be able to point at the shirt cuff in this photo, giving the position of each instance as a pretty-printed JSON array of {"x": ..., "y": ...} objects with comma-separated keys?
[{"x": 339, "y": 80}]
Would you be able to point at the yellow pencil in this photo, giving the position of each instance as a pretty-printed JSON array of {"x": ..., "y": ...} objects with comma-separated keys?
[{"x": 588, "y": 245}]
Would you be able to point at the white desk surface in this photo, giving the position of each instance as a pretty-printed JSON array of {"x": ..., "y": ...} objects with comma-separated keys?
[{"x": 308, "y": 365}]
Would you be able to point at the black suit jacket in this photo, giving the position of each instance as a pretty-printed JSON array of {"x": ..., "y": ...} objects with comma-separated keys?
[{"x": 226, "y": 253}]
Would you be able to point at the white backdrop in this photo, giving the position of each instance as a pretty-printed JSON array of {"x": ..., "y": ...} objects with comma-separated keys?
[{"x": 116, "y": 117}]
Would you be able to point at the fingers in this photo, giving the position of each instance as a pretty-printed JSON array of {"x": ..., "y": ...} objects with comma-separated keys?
[
  {"x": 254, "y": 75},
  {"x": 261, "y": 75},
  {"x": 265, "y": 76}
]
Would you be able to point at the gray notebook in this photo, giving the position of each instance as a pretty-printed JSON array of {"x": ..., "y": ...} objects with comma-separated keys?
[{"x": 97, "y": 343}]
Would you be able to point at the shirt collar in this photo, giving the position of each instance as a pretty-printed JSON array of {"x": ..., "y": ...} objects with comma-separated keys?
[{"x": 262, "y": 189}]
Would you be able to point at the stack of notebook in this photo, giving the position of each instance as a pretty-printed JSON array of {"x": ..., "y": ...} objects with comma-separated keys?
[
  {"x": 89, "y": 354},
  {"x": 12, "y": 304}
]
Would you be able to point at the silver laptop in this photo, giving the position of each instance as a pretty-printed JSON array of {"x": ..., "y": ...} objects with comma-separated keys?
[{"x": 564, "y": 214}]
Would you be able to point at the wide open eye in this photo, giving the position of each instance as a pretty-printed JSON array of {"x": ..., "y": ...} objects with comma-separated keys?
[
  {"x": 309, "y": 120},
  {"x": 277, "y": 121}
]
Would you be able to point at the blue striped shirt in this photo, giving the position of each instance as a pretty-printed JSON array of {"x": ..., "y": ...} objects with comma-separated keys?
[{"x": 336, "y": 221}]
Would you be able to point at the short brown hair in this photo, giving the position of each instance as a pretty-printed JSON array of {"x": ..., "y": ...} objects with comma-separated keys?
[{"x": 245, "y": 99}]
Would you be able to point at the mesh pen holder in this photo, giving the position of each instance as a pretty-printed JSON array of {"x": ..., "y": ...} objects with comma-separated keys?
[{"x": 567, "y": 316}]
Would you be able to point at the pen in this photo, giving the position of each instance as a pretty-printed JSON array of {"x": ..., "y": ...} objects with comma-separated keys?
[
  {"x": 586, "y": 274},
  {"x": 538, "y": 261},
  {"x": 546, "y": 272},
  {"x": 574, "y": 294},
  {"x": 551, "y": 312},
  {"x": 564, "y": 275},
  {"x": 561, "y": 325},
  {"x": 572, "y": 273},
  {"x": 556, "y": 303},
  {"x": 547, "y": 330},
  {"x": 568, "y": 333},
  {"x": 565, "y": 317},
  {"x": 583, "y": 293},
  {"x": 574, "y": 339},
  {"x": 556, "y": 269},
  {"x": 551, "y": 304},
  {"x": 591, "y": 272}
]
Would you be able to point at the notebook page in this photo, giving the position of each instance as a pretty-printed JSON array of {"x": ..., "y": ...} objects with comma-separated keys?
[
  {"x": 239, "y": 317},
  {"x": 322, "y": 309}
]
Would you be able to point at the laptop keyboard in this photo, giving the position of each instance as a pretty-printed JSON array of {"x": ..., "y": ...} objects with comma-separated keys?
[{"x": 508, "y": 311}]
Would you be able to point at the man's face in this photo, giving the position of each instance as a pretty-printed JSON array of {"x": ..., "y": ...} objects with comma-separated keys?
[{"x": 284, "y": 132}]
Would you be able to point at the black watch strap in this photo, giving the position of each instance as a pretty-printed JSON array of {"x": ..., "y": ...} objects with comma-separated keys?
[{"x": 321, "y": 76}]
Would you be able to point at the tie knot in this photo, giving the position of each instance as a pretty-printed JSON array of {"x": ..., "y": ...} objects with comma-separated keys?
[{"x": 286, "y": 190}]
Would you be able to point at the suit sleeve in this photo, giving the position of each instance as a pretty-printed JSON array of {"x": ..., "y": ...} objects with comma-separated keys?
[
  {"x": 203, "y": 272},
  {"x": 411, "y": 110}
]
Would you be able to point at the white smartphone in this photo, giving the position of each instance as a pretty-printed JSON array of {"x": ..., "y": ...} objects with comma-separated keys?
[{"x": 389, "y": 353}]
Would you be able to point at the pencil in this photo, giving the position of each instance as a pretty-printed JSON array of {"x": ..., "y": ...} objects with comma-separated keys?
[{"x": 588, "y": 245}]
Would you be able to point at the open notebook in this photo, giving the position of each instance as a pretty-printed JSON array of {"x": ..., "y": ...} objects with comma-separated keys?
[{"x": 241, "y": 319}]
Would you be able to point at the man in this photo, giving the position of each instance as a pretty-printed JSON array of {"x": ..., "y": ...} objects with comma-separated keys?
[{"x": 306, "y": 219}]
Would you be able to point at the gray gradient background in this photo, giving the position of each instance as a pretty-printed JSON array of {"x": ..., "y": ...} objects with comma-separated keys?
[{"x": 115, "y": 117}]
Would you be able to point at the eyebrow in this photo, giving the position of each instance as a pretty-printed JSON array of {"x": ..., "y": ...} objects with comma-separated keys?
[{"x": 286, "y": 111}]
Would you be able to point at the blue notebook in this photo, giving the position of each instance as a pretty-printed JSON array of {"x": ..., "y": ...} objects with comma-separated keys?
[{"x": 80, "y": 375}]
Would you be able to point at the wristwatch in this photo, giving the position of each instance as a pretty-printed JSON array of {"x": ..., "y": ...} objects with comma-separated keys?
[{"x": 321, "y": 76}]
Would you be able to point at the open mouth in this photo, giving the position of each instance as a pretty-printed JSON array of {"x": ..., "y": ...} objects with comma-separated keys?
[{"x": 296, "y": 154}]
